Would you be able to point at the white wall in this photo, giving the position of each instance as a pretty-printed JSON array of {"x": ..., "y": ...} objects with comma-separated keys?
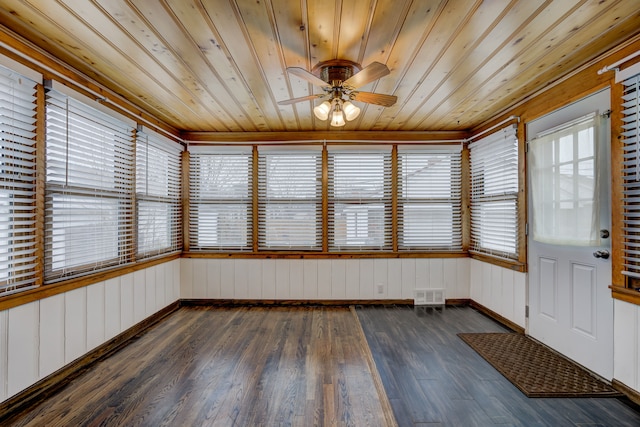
[
  {"x": 626, "y": 344},
  {"x": 499, "y": 289},
  {"x": 313, "y": 279},
  {"x": 41, "y": 337}
]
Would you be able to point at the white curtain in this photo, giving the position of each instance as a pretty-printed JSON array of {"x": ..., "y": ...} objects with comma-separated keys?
[{"x": 564, "y": 184}]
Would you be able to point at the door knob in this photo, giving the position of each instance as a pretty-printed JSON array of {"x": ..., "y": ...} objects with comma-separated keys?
[{"x": 602, "y": 253}]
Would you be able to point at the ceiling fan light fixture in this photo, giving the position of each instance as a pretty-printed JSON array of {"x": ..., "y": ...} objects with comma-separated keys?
[
  {"x": 350, "y": 111},
  {"x": 337, "y": 117},
  {"x": 322, "y": 110}
]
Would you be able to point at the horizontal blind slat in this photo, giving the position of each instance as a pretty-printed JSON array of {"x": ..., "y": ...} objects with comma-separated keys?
[
  {"x": 429, "y": 201},
  {"x": 359, "y": 200},
  {"x": 220, "y": 194},
  {"x": 494, "y": 190},
  {"x": 17, "y": 182},
  {"x": 89, "y": 189},
  {"x": 289, "y": 199}
]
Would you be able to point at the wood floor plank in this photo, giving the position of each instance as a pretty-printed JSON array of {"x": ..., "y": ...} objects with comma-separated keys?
[
  {"x": 220, "y": 366},
  {"x": 433, "y": 378}
]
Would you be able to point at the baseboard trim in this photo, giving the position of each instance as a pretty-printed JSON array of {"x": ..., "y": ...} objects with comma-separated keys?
[
  {"x": 50, "y": 384},
  {"x": 497, "y": 317},
  {"x": 289, "y": 303},
  {"x": 457, "y": 302},
  {"x": 633, "y": 395}
]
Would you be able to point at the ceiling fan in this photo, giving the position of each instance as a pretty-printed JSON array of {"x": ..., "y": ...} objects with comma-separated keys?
[{"x": 339, "y": 80}]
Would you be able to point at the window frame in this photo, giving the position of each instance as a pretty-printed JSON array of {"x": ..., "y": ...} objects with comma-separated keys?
[
  {"x": 452, "y": 157},
  {"x": 358, "y": 203},
  {"x": 63, "y": 105},
  {"x": 19, "y": 253},
  {"x": 198, "y": 199},
  {"x": 495, "y": 195},
  {"x": 312, "y": 198},
  {"x": 150, "y": 191}
]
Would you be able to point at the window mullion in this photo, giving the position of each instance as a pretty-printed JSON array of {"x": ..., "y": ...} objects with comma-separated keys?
[
  {"x": 325, "y": 199},
  {"x": 394, "y": 198},
  {"x": 255, "y": 225}
]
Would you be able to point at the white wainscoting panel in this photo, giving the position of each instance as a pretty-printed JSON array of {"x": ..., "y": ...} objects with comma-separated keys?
[
  {"x": 254, "y": 278},
  {"x": 75, "y": 322},
  {"x": 366, "y": 288},
  {"x": 322, "y": 279},
  {"x": 499, "y": 289},
  {"x": 339, "y": 278},
  {"x": 4, "y": 354},
  {"x": 626, "y": 344},
  {"x": 139, "y": 296},
  {"x": 283, "y": 281},
  {"x": 127, "y": 317},
  {"x": 95, "y": 315},
  {"x": 150, "y": 291},
  {"x": 112, "y": 309},
  {"x": 268, "y": 284},
  {"x": 394, "y": 278},
  {"x": 40, "y": 337},
  {"x": 241, "y": 278},
  {"x": 51, "y": 334},
  {"x": 22, "y": 346},
  {"x": 310, "y": 279},
  {"x": 352, "y": 280}
]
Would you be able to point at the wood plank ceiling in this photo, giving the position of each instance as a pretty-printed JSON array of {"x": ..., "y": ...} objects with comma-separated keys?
[{"x": 220, "y": 65}]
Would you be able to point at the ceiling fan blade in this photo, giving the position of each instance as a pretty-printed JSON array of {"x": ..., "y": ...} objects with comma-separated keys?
[
  {"x": 304, "y": 74},
  {"x": 302, "y": 98},
  {"x": 371, "y": 72},
  {"x": 375, "y": 98}
]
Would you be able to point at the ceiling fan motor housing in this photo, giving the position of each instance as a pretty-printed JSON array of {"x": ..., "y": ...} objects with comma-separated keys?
[{"x": 336, "y": 71}]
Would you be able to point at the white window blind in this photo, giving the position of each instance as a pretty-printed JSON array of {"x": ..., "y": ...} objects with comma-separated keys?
[
  {"x": 158, "y": 194},
  {"x": 359, "y": 198},
  {"x": 494, "y": 194},
  {"x": 17, "y": 182},
  {"x": 220, "y": 199},
  {"x": 631, "y": 176},
  {"x": 89, "y": 185},
  {"x": 290, "y": 198},
  {"x": 429, "y": 200}
]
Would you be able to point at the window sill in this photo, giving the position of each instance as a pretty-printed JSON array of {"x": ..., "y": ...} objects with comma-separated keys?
[
  {"x": 501, "y": 262},
  {"x": 625, "y": 294},
  {"x": 45, "y": 291},
  {"x": 322, "y": 255}
]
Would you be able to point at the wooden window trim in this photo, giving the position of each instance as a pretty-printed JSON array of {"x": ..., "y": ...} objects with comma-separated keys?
[{"x": 46, "y": 291}]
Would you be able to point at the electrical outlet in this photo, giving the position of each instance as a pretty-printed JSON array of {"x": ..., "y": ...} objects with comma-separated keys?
[{"x": 380, "y": 288}]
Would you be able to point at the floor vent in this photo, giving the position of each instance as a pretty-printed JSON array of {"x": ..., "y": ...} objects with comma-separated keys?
[{"x": 428, "y": 297}]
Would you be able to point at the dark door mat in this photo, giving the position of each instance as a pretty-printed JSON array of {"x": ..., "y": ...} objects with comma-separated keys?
[{"x": 535, "y": 369}]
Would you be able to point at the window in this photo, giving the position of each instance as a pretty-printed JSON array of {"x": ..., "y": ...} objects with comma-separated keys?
[
  {"x": 290, "y": 198},
  {"x": 158, "y": 181},
  {"x": 17, "y": 182},
  {"x": 429, "y": 200},
  {"x": 221, "y": 198},
  {"x": 631, "y": 179},
  {"x": 359, "y": 198},
  {"x": 89, "y": 185},
  {"x": 494, "y": 194},
  {"x": 563, "y": 184}
]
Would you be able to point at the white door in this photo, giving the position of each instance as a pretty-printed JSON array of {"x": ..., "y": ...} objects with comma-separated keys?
[{"x": 570, "y": 304}]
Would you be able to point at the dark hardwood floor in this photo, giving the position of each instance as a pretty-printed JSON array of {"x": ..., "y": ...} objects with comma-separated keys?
[
  {"x": 432, "y": 378},
  {"x": 309, "y": 366},
  {"x": 205, "y": 366}
]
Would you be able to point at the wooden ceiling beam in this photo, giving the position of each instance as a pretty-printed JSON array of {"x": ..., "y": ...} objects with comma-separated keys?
[{"x": 408, "y": 136}]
